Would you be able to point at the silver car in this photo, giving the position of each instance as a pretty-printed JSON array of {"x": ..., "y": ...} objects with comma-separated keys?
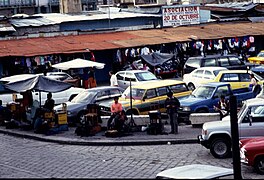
[
  {"x": 136, "y": 76},
  {"x": 77, "y": 106}
]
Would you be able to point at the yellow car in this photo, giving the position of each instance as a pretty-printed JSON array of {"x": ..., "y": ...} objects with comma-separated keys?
[
  {"x": 238, "y": 79},
  {"x": 259, "y": 59},
  {"x": 148, "y": 96}
]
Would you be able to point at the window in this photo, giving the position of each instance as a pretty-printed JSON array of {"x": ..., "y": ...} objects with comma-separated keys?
[
  {"x": 151, "y": 93},
  {"x": 193, "y": 63},
  {"x": 234, "y": 61},
  {"x": 208, "y": 75},
  {"x": 257, "y": 113},
  {"x": 229, "y": 78},
  {"x": 130, "y": 76},
  {"x": 115, "y": 92},
  {"x": 120, "y": 76},
  {"x": 162, "y": 91},
  {"x": 223, "y": 62},
  {"x": 222, "y": 91},
  {"x": 145, "y": 76},
  {"x": 198, "y": 74},
  {"x": 244, "y": 77},
  {"x": 209, "y": 62},
  {"x": 178, "y": 88},
  {"x": 103, "y": 95}
]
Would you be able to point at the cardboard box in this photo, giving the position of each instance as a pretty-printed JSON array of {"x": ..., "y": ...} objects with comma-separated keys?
[{"x": 62, "y": 118}]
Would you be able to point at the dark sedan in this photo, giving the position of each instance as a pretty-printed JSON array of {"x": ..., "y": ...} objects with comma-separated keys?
[{"x": 77, "y": 106}]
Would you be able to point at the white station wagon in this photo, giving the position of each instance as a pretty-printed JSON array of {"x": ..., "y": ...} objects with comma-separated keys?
[{"x": 201, "y": 75}]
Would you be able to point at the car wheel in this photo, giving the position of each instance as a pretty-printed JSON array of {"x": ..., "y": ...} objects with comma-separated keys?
[
  {"x": 259, "y": 165},
  {"x": 81, "y": 118},
  {"x": 220, "y": 148},
  {"x": 191, "y": 86}
]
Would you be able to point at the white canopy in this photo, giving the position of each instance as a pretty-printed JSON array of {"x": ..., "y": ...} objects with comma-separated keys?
[{"x": 78, "y": 63}]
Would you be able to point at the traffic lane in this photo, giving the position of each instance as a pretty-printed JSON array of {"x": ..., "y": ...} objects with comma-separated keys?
[{"x": 30, "y": 158}]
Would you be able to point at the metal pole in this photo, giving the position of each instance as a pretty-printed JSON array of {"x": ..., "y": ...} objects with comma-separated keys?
[
  {"x": 108, "y": 2},
  {"x": 131, "y": 100},
  {"x": 235, "y": 138}
]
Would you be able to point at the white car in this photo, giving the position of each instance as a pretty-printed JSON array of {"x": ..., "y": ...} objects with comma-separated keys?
[
  {"x": 59, "y": 97},
  {"x": 136, "y": 76},
  {"x": 201, "y": 75}
]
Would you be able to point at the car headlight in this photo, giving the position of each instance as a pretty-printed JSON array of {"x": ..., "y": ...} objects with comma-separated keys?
[
  {"x": 69, "y": 112},
  {"x": 186, "y": 108}
]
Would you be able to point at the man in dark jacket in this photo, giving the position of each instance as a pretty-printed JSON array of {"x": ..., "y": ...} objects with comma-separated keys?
[{"x": 172, "y": 104}]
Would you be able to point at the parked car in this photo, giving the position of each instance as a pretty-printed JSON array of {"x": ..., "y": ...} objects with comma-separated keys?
[
  {"x": 252, "y": 153},
  {"x": 206, "y": 96},
  {"x": 59, "y": 97},
  {"x": 259, "y": 59},
  {"x": 77, "y": 106},
  {"x": 259, "y": 70},
  {"x": 136, "y": 76},
  {"x": 148, "y": 96},
  {"x": 201, "y": 75},
  {"x": 238, "y": 79},
  {"x": 216, "y": 135},
  {"x": 229, "y": 61}
]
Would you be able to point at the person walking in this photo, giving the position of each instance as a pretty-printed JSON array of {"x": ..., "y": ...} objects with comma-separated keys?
[
  {"x": 113, "y": 79},
  {"x": 172, "y": 104}
]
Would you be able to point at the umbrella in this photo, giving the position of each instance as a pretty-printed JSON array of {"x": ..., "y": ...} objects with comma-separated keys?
[
  {"x": 78, "y": 63},
  {"x": 18, "y": 77},
  {"x": 37, "y": 83}
]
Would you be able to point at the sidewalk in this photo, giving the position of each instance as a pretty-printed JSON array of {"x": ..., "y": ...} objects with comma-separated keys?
[{"x": 187, "y": 134}]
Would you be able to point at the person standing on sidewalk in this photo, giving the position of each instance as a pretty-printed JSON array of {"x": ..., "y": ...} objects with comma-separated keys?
[
  {"x": 113, "y": 79},
  {"x": 172, "y": 104}
]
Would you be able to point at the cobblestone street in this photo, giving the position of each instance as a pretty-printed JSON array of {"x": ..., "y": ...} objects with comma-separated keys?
[{"x": 25, "y": 158}]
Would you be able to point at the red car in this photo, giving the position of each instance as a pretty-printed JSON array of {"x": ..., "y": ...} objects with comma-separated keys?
[{"x": 252, "y": 153}]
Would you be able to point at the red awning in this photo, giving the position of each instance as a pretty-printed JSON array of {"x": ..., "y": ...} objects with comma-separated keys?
[{"x": 113, "y": 40}]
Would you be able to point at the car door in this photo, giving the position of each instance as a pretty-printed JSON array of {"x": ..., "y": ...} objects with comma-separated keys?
[
  {"x": 197, "y": 78},
  {"x": 162, "y": 94},
  {"x": 121, "y": 79},
  {"x": 149, "y": 102},
  {"x": 232, "y": 79},
  {"x": 256, "y": 127},
  {"x": 129, "y": 76}
]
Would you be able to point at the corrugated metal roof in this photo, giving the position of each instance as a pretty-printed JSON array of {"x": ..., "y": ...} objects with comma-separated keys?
[
  {"x": 113, "y": 40},
  {"x": 33, "y": 21}
]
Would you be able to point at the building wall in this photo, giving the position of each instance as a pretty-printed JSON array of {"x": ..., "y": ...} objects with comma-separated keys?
[
  {"x": 113, "y": 23},
  {"x": 70, "y": 6}
]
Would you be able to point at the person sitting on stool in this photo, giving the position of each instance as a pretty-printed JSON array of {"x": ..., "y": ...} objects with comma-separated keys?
[{"x": 117, "y": 118}]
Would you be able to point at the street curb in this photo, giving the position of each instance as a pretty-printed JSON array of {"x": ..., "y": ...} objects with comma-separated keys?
[{"x": 102, "y": 143}]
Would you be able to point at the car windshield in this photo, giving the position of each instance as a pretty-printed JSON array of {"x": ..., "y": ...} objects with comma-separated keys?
[
  {"x": 261, "y": 54},
  {"x": 216, "y": 72},
  {"x": 203, "y": 91},
  {"x": 84, "y": 96},
  {"x": 145, "y": 76},
  {"x": 136, "y": 93}
]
